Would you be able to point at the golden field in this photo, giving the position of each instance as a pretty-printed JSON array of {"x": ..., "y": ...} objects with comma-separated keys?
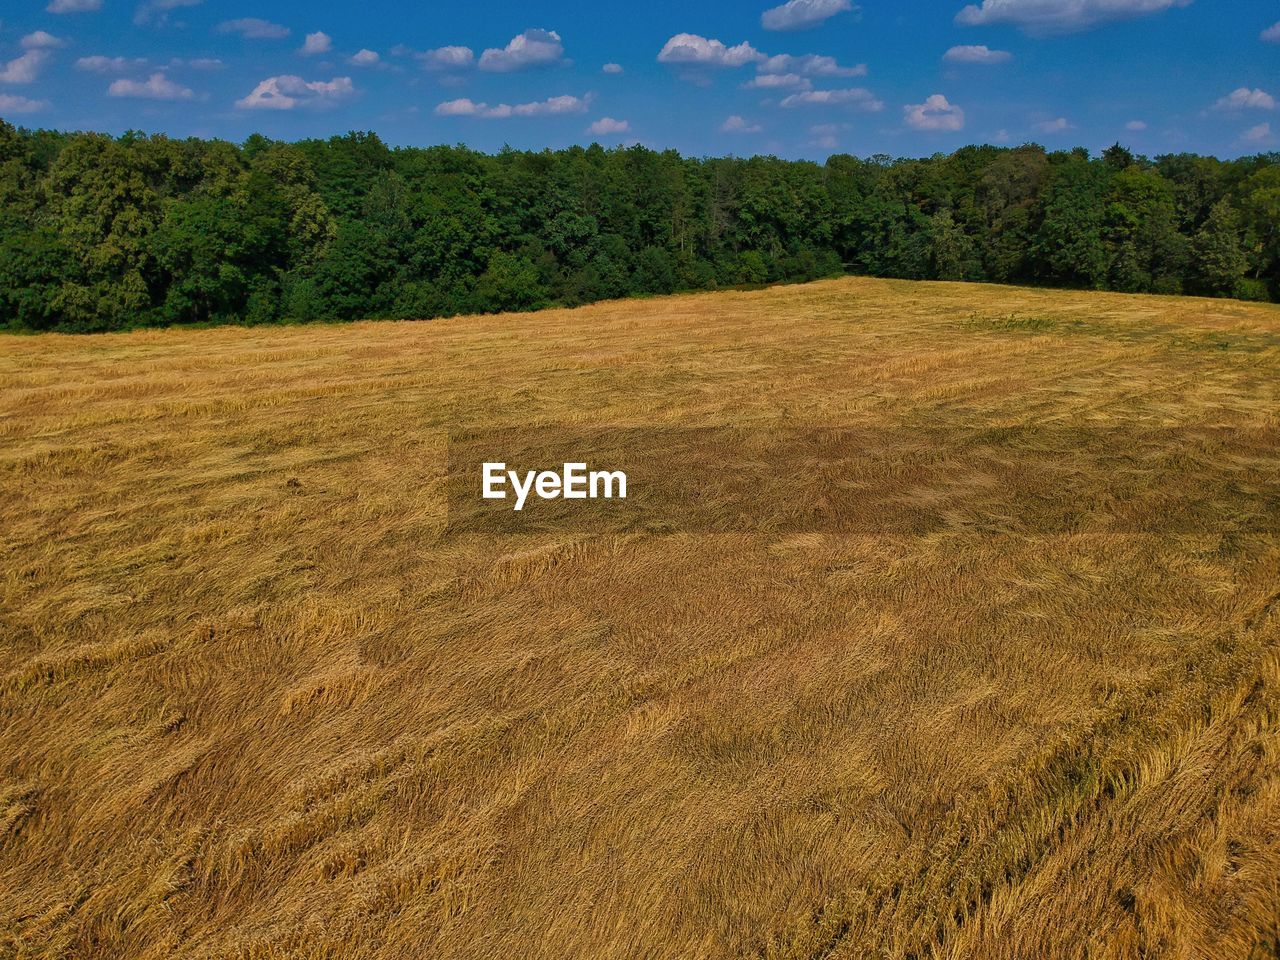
[{"x": 257, "y": 701}]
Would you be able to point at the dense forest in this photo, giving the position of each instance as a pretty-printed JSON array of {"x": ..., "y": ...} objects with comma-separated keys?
[{"x": 103, "y": 233}]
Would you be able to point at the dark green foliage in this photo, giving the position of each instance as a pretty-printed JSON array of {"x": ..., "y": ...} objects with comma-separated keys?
[{"x": 101, "y": 233}]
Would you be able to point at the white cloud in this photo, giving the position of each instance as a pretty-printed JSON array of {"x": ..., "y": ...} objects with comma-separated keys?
[
  {"x": 202, "y": 63},
  {"x": 24, "y": 69},
  {"x": 287, "y": 92},
  {"x": 12, "y": 104},
  {"x": 1271, "y": 34},
  {"x": 365, "y": 58},
  {"x": 316, "y": 43},
  {"x": 811, "y": 65},
  {"x": 1137, "y": 126},
  {"x": 447, "y": 58},
  {"x": 1257, "y": 134},
  {"x": 251, "y": 28},
  {"x": 155, "y": 87},
  {"x": 691, "y": 49},
  {"x": 1246, "y": 99},
  {"x": 1057, "y": 125},
  {"x": 774, "y": 81},
  {"x": 533, "y": 48},
  {"x": 101, "y": 64},
  {"x": 737, "y": 124},
  {"x": 607, "y": 126},
  {"x": 42, "y": 41},
  {"x": 1060, "y": 16},
  {"x": 554, "y": 106},
  {"x": 802, "y": 14},
  {"x": 74, "y": 6},
  {"x": 856, "y": 97},
  {"x": 977, "y": 54},
  {"x": 612, "y": 68},
  {"x": 936, "y": 113}
]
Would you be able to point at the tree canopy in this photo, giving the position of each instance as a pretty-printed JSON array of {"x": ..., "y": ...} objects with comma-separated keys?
[{"x": 102, "y": 233}]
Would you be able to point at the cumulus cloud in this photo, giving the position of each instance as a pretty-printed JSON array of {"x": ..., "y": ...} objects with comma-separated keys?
[
  {"x": 24, "y": 69},
  {"x": 42, "y": 41},
  {"x": 803, "y": 14},
  {"x": 936, "y": 113},
  {"x": 12, "y": 104},
  {"x": 1057, "y": 125},
  {"x": 155, "y": 87},
  {"x": 1060, "y": 16},
  {"x": 251, "y": 28},
  {"x": 856, "y": 97},
  {"x": 1246, "y": 99},
  {"x": 74, "y": 6},
  {"x": 533, "y": 48},
  {"x": 101, "y": 64},
  {"x": 607, "y": 126},
  {"x": 554, "y": 106},
  {"x": 316, "y": 43},
  {"x": 612, "y": 68},
  {"x": 1137, "y": 126},
  {"x": 1257, "y": 134},
  {"x": 774, "y": 81},
  {"x": 1271, "y": 34},
  {"x": 447, "y": 58},
  {"x": 365, "y": 58},
  {"x": 809, "y": 64},
  {"x": 287, "y": 92},
  {"x": 736, "y": 124},
  {"x": 693, "y": 50},
  {"x": 977, "y": 54}
]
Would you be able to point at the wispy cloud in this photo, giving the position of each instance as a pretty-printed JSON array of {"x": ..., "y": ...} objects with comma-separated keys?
[
  {"x": 288, "y": 91},
  {"x": 775, "y": 81},
  {"x": 252, "y": 28},
  {"x": 1057, "y": 125},
  {"x": 14, "y": 104},
  {"x": 857, "y": 98},
  {"x": 74, "y": 6},
  {"x": 981, "y": 54},
  {"x": 614, "y": 68},
  {"x": 101, "y": 64},
  {"x": 1257, "y": 134},
  {"x": 737, "y": 124},
  {"x": 1060, "y": 16},
  {"x": 553, "y": 106},
  {"x": 1271, "y": 34},
  {"x": 803, "y": 14},
  {"x": 155, "y": 87},
  {"x": 40, "y": 40}
]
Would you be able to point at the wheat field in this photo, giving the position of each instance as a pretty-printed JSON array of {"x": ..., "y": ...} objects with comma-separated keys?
[{"x": 259, "y": 700}]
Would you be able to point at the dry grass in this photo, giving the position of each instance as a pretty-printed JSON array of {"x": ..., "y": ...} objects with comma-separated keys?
[{"x": 254, "y": 703}]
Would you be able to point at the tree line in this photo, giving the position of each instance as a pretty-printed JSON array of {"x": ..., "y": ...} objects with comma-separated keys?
[{"x": 106, "y": 233}]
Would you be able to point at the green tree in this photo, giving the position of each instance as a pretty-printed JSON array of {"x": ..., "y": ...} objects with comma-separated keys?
[{"x": 1217, "y": 253}]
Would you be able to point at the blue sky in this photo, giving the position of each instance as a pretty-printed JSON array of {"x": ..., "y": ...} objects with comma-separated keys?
[{"x": 802, "y": 79}]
